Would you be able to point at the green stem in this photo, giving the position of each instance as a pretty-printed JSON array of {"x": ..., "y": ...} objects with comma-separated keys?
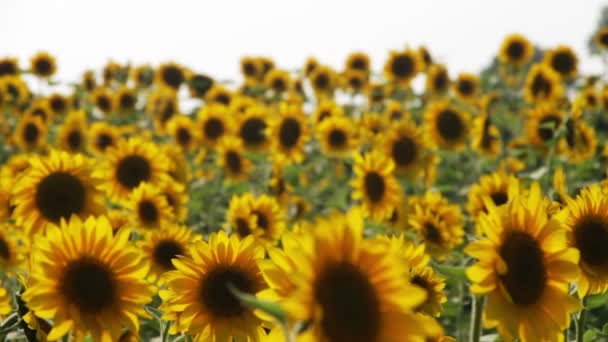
[
  {"x": 581, "y": 321},
  {"x": 478, "y": 303}
]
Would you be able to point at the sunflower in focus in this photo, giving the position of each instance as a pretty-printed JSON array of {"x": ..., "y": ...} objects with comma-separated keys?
[
  {"x": 466, "y": 87},
  {"x": 30, "y": 134},
  {"x": 437, "y": 80},
  {"x": 486, "y": 137},
  {"x": 337, "y": 136},
  {"x": 562, "y": 60},
  {"x": 347, "y": 287},
  {"x": 375, "y": 185},
  {"x": 231, "y": 158},
  {"x": 56, "y": 187},
  {"x": 184, "y": 132},
  {"x": 446, "y": 126},
  {"x": 96, "y": 289},
  {"x": 500, "y": 187},
  {"x": 516, "y": 50},
  {"x": 150, "y": 208},
  {"x": 543, "y": 123},
  {"x": 170, "y": 75},
  {"x": 162, "y": 246},
  {"x": 524, "y": 267},
  {"x": 43, "y": 65},
  {"x": 402, "y": 66},
  {"x": 543, "y": 84},
  {"x": 102, "y": 136},
  {"x": 251, "y": 128},
  {"x": 72, "y": 135},
  {"x": 130, "y": 163},
  {"x": 199, "y": 299}
]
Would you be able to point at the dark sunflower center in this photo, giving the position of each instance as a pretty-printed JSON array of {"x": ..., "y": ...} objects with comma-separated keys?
[
  {"x": 103, "y": 141},
  {"x": 404, "y": 151},
  {"x": 466, "y": 87},
  {"x": 349, "y": 303},
  {"x": 289, "y": 132},
  {"x": 133, "y": 170},
  {"x": 355, "y": 82},
  {"x": 147, "y": 211},
  {"x": 7, "y": 67},
  {"x": 233, "y": 161},
  {"x": 43, "y": 66},
  {"x": 402, "y": 66},
  {"x": 547, "y": 133},
  {"x": 223, "y": 98},
  {"x": 263, "y": 221},
  {"x": 252, "y": 132},
  {"x": 337, "y": 138},
  {"x": 419, "y": 281},
  {"x": 374, "y": 186},
  {"x": 103, "y": 102},
  {"x": 5, "y": 251},
  {"x": 499, "y": 198},
  {"x": 440, "y": 82},
  {"x": 515, "y": 50},
  {"x": 323, "y": 115},
  {"x": 167, "y": 111},
  {"x": 279, "y": 85},
  {"x": 31, "y": 133},
  {"x": 57, "y": 104},
  {"x": 396, "y": 115},
  {"x": 526, "y": 273},
  {"x": 604, "y": 39},
  {"x": 591, "y": 238},
  {"x": 173, "y": 76},
  {"x": 40, "y": 112},
  {"x": 541, "y": 87},
  {"x": 249, "y": 69},
  {"x": 166, "y": 250},
  {"x": 59, "y": 195},
  {"x": 215, "y": 291},
  {"x": 242, "y": 227},
  {"x": 183, "y": 136},
  {"x": 359, "y": 64},
  {"x": 432, "y": 233},
  {"x": 75, "y": 140},
  {"x": 591, "y": 100},
  {"x": 89, "y": 285},
  {"x": 321, "y": 81},
  {"x": 563, "y": 63},
  {"x": 127, "y": 101},
  {"x": 214, "y": 128},
  {"x": 449, "y": 125}
]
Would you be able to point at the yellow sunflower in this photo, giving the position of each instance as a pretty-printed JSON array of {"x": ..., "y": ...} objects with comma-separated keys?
[
  {"x": 563, "y": 60},
  {"x": 251, "y": 68},
  {"x": 89, "y": 82},
  {"x": 323, "y": 81},
  {"x": 240, "y": 218},
  {"x": 13, "y": 249},
  {"x": 199, "y": 299},
  {"x": 310, "y": 66},
  {"x": 125, "y": 99},
  {"x": 524, "y": 267},
  {"x": 289, "y": 132},
  {"x": 375, "y": 185},
  {"x": 358, "y": 61},
  {"x": 337, "y": 136},
  {"x": 72, "y": 135},
  {"x": 56, "y": 187},
  {"x": 142, "y": 75},
  {"x": 103, "y": 99},
  {"x": 177, "y": 197},
  {"x": 325, "y": 109},
  {"x": 543, "y": 122},
  {"x": 31, "y": 133},
  {"x": 516, "y": 50},
  {"x": 543, "y": 84},
  {"x": 500, "y": 187},
  {"x": 9, "y": 66},
  {"x": 130, "y": 163},
  {"x": 162, "y": 246},
  {"x": 394, "y": 111},
  {"x": 354, "y": 81},
  {"x": 580, "y": 141},
  {"x": 162, "y": 104},
  {"x": 445, "y": 126},
  {"x": 214, "y": 122},
  {"x": 279, "y": 81},
  {"x": 15, "y": 89},
  {"x": 87, "y": 280},
  {"x": 467, "y": 87},
  {"x": 149, "y": 207},
  {"x": 251, "y": 128},
  {"x": 184, "y": 132},
  {"x": 601, "y": 38},
  {"x": 347, "y": 288},
  {"x": 199, "y": 85},
  {"x": 371, "y": 126},
  {"x": 486, "y": 137},
  {"x": 218, "y": 95},
  {"x": 425, "y": 57},
  {"x": 231, "y": 158},
  {"x": 102, "y": 136},
  {"x": 58, "y": 103},
  {"x": 403, "y": 143},
  {"x": 437, "y": 80},
  {"x": 170, "y": 75},
  {"x": 402, "y": 66},
  {"x": 43, "y": 65}
]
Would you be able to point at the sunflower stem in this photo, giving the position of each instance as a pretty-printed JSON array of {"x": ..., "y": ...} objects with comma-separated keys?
[
  {"x": 580, "y": 322},
  {"x": 478, "y": 303}
]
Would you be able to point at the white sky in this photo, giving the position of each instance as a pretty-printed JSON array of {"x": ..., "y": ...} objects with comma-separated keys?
[{"x": 211, "y": 36}]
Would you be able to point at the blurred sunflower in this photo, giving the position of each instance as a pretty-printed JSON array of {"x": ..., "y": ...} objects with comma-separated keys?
[
  {"x": 9, "y": 66},
  {"x": 177, "y": 197},
  {"x": 310, "y": 66},
  {"x": 170, "y": 75},
  {"x": 524, "y": 267},
  {"x": 240, "y": 217},
  {"x": 15, "y": 89},
  {"x": 58, "y": 103},
  {"x": 486, "y": 137},
  {"x": 279, "y": 81},
  {"x": 13, "y": 249},
  {"x": 199, "y": 85},
  {"x": 103, "y": 100},
  {"x": 162, "y": 104},
  {"x": 199, "y": 298},
  {"x": 402, "y": 66},
  {"x": 601, "y": 38},
  {"x": 358, "y": 61},
  {"x": 218, "y": 95},
  {"x": 394, "y": 111},
  {"x": 354, "y": 81},
  {"x": 580, "y": 141},
  {"x": 445, "y": 126},
  {"x": 43, "y": 65},
  {"x": 251, "y": 128},
  {"x": 516, "y": 50},
  {"x": 289, "y": 132},
  {"x": 72, "y": 135},
  {"x": 184, "y": 132},
  {"x": 323, "y": 81},
  {"x": 142, "y": 75},
  {"x": 89, "y": 82},
  {"x": 214, "y": 122},
  {"x": 87, "y": 280},
  {"x": 31, "y": 133},
  {"x": 563, "y": 60},
  {"x": 337, "y": 136},
  {"x": 467, "y": 87},
  {"x": 150, "y": 208},
  {"x": 543, "y": 122},
  {"x": 542, "y": 84},
  {"x": 231, "y": 158},
  {"x": 40, "y": 108},
  {"x": 371, "y": 126},
  {"x": 5, "y": 302},
  {"x": 102, "y": 136},
  {"x": 326, "y": 109},
  {"x": 500, "y": 187},
  {"x": 125, "y": 99},
  {"x": 56, "y": 187},
  {"x": 404, "y": 145},
  {"x": 251, "y": 68},
  {"x": 375, "y": 185},
  {"x": 437, "y": 80}
]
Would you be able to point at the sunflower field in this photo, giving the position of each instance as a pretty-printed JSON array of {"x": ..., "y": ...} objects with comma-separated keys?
[{"x": 310, "y": 204}]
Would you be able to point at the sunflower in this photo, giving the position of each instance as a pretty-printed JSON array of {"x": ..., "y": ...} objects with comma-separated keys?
[
  {"x": 278, "y": 186},
  {"x": 486, "y": 137},
  {"x": 358, "y": 61},
  {"x": 500, "y": 187},
  {"x": 542, "y": 84},
  {"x": 251, "y": 68},
  {"x": 125, "y": 99},
  {"x": 58, "y": 103},
  {"x": 404, "y": 145},
  {"x": 524, "y": 267},
  {"x": 240, "y": 104},
  {"x": 354, "y": 80},
  {"x": 580, "y": 141},
  {"x": 402, "y": 66},
  {"x": 466, "y": 87},
  {"x": 184, "y": 132},
  {"x": 325, "y": 109},
  {"x": 439, "y": 223},
  {"x": 231, "y": 158},
  {"x": 323, "y": 81},
  {"x": 177, "y": 197},
  {"x": 371, "y": 126},
  {"x": 43, "y": 65},
  {"x": 88, "y": 280},
  {"x": 30, "y": 134},
  {"x": 251, "y": 128},
  {"x": 179, "y": 167},
  {"x": 111, "y": 72},
  {"x": 437, "y": 79},
  {"x": 56, "y": 187},
  {"x": 219, "y": 95},
  {"x": 150, "y": 208},
  {"x": 601, "y": 38},
  {"x": 375, "y": 185},
  {"x": 199, "y": 299},
  {"x": 543, "y": 122},
  {"x": 588, "y": 98},
  {"x": 162, "y": 104},
  {"x": 199, "y": 85},
  {"x": 563, "y": 60},
  {"x": 143, "y": 76},
  {"x": 337, "y": 136},
  {"x": 445, "y": 126},
  {"x": 425, "y": 57},
  {"x": 102, "y": 136},
  {"x": 163, "y": 245},
  {"x": 214, "y": 122},
  {"x": 377, "y": 93},
  {"x": 89, "y": 82},
  {"x": 240, "y": 217},
  {"x": 267, "y": 65},
  {"x": 14, "y": 168},
  {"x": 13, "y": 249},
  {"x": 9, "y": 66},
  {"x": 130, "y": 163},
  {"x": 347, "y": 288},
  {"x": 40, "y": 108},
  {"x": 72, "y": 135},
  {"x": 516, "y": 50},
  {"x": 170, "y": 75},
  {"x": 15, "y": 89},
  {"x": 289, "y": 133},
  {"x": 310, "y": 66},
  {"x": 278, "y": 80},
  {"x": 103, "y": 100}
]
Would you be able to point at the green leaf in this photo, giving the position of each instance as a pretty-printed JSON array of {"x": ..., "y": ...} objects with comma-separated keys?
[
  {"x": 154, "y": 312},
  {"x": 595, "y": 301},
  {"x": 590, "y": 335},
  {"x": 273, "y": 309},
  {"x": 456, "y": 273}
]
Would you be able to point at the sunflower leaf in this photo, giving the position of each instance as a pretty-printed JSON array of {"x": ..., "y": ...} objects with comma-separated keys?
[
  {"x": 273, "y": 309},
  {"x": 456, "y": 273},
  {"x": 595, "y": 301}
]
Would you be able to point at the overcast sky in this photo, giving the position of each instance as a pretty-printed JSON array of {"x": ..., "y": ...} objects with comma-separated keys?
[{"x": 211, "y": 36}]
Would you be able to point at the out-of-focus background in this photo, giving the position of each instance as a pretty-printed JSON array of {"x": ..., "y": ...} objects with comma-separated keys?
[{"x": 211, "y": 36}]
